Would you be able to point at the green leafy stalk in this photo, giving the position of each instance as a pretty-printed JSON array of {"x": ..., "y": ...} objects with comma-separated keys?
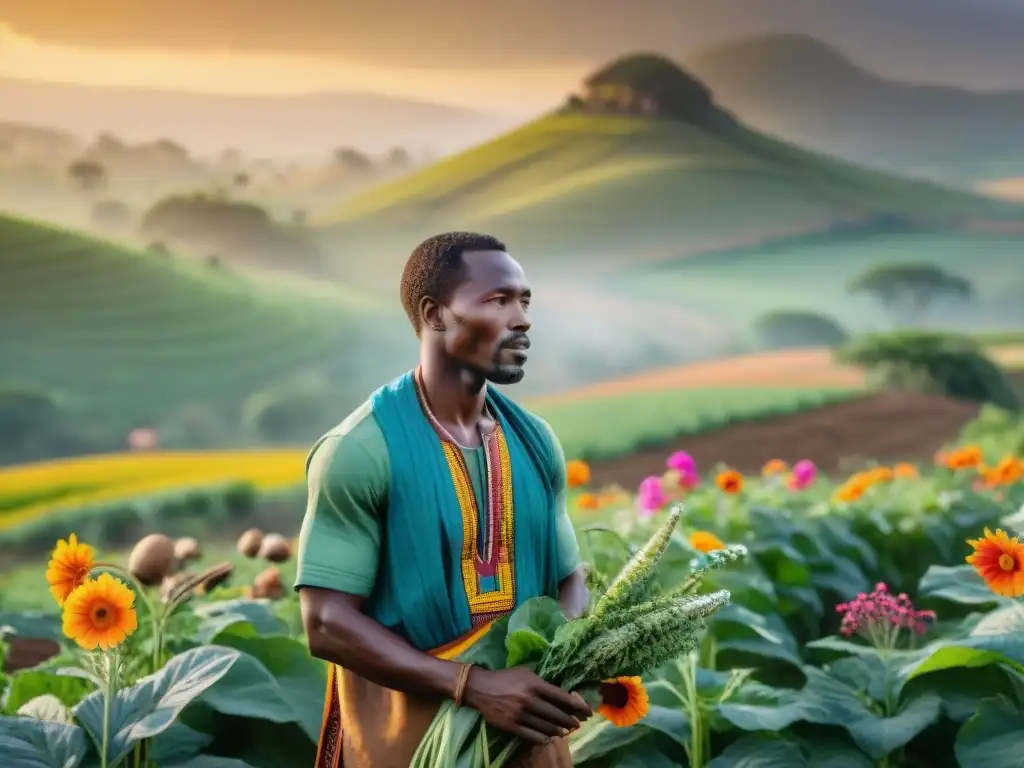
[
  {"x": 638, "y": 572},
  {"x": 718, "y": 558}
]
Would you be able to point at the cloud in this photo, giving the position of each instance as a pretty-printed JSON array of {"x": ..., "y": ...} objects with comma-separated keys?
[{"x": 225, "y": 71}]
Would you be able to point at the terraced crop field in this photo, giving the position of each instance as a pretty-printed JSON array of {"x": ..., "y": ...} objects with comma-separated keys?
[{"x": 126, "y": 334}]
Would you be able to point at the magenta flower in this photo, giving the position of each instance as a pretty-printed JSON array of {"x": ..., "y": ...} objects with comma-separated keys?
[
  {"x": 651, "y": 497},
  {"x": 683, "y": 463},
  {"x": 880, "y": 617},
  {"x": 803, "y": 475}
]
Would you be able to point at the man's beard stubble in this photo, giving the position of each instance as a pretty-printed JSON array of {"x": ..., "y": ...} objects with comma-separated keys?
[{"x": 497, "y": 373}]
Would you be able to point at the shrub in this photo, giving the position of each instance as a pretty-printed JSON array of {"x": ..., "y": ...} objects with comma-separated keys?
[
  {"x": 798, "y": 328},
  {"x": 947, "y": 364}
]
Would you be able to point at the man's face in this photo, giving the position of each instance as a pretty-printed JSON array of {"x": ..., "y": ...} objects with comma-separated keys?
[{"x": 486, "y": 318}]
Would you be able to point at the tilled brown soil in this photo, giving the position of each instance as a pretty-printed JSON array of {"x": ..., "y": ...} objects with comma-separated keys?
[{"x": 891, "y": 426}]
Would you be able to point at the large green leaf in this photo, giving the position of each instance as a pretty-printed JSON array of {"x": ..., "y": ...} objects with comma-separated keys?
[
  {"x": 30, "y": 683},
  {"x": 531, "y": 628},
  {"x": 218, "y": 616},
  {"x": 738, "y": 628},
  {"x": 958, "y": 584},
  {"x": 827, "y": 701},
  {"x": 28, "y": 743},
  {"x": 760, "y": 752},
  {"x": 962, "y": 689},
  {"x": 150, "y": 706},
  {"x": 209, "y": 761},
  {"x": 280, "y": 677},
  {"x": 490, "y": 651},
  {"x": 598, "y": 737},
  {"x": 31, "y": 624},
  {"x": 46, "y": 707},
  {"x": 992, "y": 738},
  {"x": 973, "y": 651},
  {"x": 178, "y": 744}
]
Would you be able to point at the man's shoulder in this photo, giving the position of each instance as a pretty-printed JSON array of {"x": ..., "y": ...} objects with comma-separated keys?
[{"x": 359, "y": 432}]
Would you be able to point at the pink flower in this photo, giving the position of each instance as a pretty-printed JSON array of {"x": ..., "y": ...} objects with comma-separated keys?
[
  {"x": 803, "y": 475},
  {"x": 689, "y": 480},
  {"x": 142, "y": 439},
  {"x": 651, "y": 497},
  {"x": 683, "y": 463},
  {"x": 880, "y": 616}
]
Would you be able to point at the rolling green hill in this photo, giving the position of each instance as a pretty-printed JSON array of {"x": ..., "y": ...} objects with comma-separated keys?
[
  {"x": 575, "y": 183},
  {"x": 126, "y": 337}
]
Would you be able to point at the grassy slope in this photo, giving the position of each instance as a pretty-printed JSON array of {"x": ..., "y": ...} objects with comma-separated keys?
[
  {"x": 812, "y": 272},
  {"x": 573, "y": 181},
  {"x": 126, "y": 333}
]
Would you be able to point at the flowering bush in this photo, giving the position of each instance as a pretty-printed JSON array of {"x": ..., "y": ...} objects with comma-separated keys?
[{"x": 876, "y": 621}]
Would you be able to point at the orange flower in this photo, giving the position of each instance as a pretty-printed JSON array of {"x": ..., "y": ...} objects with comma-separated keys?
[
  {"x": 905, "y": 471},
  {"x": 68, "y": 567},
  {"x": 1007, "y": 472},
  {"x": 854, "y": 487},
  {"x": 100, "y": 613},
  {"x": 730, "y": 481},
  {"x": 967, "y": 457},
  {"x": 880, "y": 475},
  {"x": 588, "y": 501},
  {"x": 703, "y": 541},
  {"x": 774, "y": 467},
  {"x": 577, "y": 473},
  {"x": 999, "y": 560},
  {"x": 624, "y": 701}
]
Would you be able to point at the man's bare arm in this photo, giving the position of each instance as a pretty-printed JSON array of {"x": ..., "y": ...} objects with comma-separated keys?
[
  {"x": 514, "y": 700},
  {"x": 338, "y": 632},
  {"x": 573, "y": 595}
]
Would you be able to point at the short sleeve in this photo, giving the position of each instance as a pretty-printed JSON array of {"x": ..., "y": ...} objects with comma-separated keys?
[
  {"x": 339, "y": 544},
  {"x": 565, "y": 532}
]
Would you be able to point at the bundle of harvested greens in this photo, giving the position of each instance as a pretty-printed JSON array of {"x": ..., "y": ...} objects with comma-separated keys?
[{"x": 628, "y": 632}]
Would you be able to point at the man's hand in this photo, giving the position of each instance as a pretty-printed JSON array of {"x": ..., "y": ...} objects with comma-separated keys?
[{"x": 521, "y": 703}]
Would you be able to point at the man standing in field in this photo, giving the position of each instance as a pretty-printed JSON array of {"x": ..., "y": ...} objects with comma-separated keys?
[{"x": 435, "y": 508}]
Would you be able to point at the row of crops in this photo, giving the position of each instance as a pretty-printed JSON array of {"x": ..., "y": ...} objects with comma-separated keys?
[
  {"x": 38, "y": 501},
  {"x": 167, "y": 330},
  {"x": 855, "y": 635}
]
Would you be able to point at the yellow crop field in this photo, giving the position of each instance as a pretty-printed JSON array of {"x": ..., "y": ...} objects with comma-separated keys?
[{"x": 30, "y": 491}]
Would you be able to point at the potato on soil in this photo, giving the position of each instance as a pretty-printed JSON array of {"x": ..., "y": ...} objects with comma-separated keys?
[
  {"x": 249, "y": 543},
  {"x": 152, "y": 559}
]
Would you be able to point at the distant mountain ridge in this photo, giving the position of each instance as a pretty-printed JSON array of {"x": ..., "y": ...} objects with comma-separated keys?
[
  {"x": 274, "y": 126},
  {"x": 805, "y": 91}
]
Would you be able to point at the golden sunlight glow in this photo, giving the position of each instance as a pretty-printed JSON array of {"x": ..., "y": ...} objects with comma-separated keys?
[{"x": 222, "y": 71}]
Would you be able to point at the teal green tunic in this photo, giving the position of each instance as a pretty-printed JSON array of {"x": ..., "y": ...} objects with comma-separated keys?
[{"x": 345, "y": 543}]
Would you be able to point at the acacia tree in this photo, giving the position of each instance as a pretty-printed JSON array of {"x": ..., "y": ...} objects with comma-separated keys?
[
  {"x": 907, "y": 290},
  {"x": 88, "y": 174}
]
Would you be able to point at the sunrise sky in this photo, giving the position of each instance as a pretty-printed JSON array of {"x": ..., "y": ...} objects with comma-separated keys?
[{"x": 480, "y": 53}]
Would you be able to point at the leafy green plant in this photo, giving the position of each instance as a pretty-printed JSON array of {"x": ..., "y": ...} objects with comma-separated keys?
[{"x": 947, "y": 364}]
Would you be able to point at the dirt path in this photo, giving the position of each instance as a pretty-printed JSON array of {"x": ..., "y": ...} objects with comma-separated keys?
[
  {"x": 886, "y": 427},
  {"x": 788, "y": 368}
]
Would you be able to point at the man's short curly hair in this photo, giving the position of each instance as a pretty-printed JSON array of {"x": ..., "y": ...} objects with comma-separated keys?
[{"x": 435, "y": 268}]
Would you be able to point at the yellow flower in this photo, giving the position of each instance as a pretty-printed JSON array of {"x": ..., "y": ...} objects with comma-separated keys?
[
  {"x": 577, "y": 473},
  {"x": 774, "y": 467},
  {"x": 100, "y": 613},
  {"x": 704, "y": 541},
  {"x": 69, "y": 566},
  {"x": 624, "y": 701},
  {"x": 999, "y": 560}
]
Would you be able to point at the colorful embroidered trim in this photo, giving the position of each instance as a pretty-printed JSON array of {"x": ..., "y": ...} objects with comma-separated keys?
[{"x": 498, "y": 556}]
